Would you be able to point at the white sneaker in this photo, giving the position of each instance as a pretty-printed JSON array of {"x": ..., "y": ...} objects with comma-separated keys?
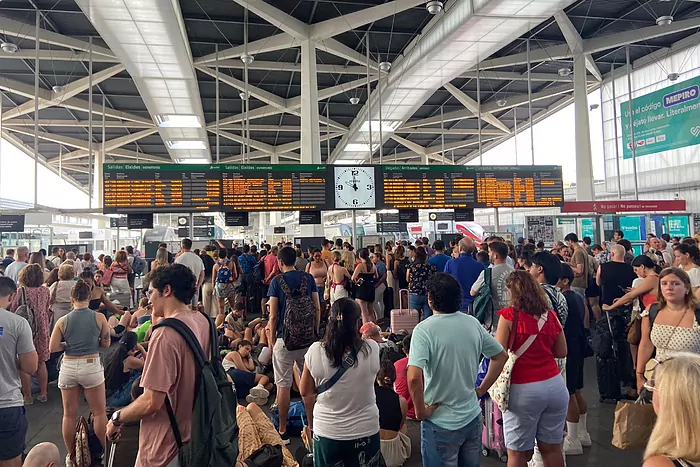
[
  {"x": 572, "y": 446},
  {"x": 251, "y": 399},
  {"x": 259, "y": 392},
  {"x": 536, "y": 460},
  {"x": 585, "y": 438}
]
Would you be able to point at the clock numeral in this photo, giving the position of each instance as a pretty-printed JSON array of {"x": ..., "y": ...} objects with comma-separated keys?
[
  {"x": 370, "y": 187},
  {"x": 355, "y": 172},
  {"x": 339, "y": 187},
  {"x": 355, "y": 202}
]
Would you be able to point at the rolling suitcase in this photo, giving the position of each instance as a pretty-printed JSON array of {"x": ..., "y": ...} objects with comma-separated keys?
[
  {"x": 403, "y": 318},
  {"x": 492, "y": 438}
]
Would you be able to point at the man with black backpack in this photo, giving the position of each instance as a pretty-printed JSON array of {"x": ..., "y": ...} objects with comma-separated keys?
[
  {"x": 490, "y": 287},
  {"x": 295, "y": 315},
  {"x": 187, "y": 409}
]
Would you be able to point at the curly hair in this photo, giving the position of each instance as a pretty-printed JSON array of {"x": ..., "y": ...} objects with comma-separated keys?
[
  {"x": 526, "y": 294},
  {"x": 32, "y": 275}
]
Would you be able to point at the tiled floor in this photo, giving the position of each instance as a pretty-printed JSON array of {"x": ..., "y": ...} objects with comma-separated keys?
[{"x": 45, "y": 425}]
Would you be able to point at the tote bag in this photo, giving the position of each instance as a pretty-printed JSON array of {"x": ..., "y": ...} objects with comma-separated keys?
[{"x": 500, "y": 391}]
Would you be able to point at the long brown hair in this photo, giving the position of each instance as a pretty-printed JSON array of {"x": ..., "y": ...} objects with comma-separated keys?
[
  {"x": 691, "y": 301},
  {"x": 526, "y": 294}
]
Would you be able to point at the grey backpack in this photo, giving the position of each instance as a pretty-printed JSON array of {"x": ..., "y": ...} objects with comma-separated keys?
[{"x": 26, "y": 311}]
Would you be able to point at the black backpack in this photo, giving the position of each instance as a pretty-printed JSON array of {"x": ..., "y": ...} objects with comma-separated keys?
[
  {"x": 403, "y": 268},
  {"x": 258, "y": 273},
  {"x": 214, "y": 441},
  {"x": 299, "y": 330},
  {"x": 482, "y": 305},
  {"x": 654, "y": 312}
]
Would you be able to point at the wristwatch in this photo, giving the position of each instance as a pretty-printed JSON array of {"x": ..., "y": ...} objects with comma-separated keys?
[{"x": 115, "y": 418}]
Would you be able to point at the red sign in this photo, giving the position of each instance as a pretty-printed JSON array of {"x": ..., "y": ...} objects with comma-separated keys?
[{"x": 643, "y": 205}]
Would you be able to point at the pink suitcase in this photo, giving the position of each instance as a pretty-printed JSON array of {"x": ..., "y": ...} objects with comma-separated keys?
[
  {"x": 492, "y": 437},
  {"x": 403, "y": 318}
]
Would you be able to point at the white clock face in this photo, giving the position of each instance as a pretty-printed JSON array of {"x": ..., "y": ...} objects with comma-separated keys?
[{"x": 354, "y": 188}]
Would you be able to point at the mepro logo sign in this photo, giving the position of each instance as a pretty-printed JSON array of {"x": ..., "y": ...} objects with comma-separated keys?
[{"x": 682, "y": 96}]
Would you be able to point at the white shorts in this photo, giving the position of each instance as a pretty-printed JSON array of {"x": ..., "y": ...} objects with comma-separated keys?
[
  {"x": 283, "y": 361},
  {"x": 396, "y": 451},
  {"x": 84, "y": 372}
]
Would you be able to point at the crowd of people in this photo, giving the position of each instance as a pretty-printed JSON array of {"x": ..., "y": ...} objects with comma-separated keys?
[{"x": 315, "y": 325}]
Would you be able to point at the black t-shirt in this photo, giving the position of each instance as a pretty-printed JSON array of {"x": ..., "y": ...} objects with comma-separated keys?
[
  {"x": 208, "y": 267},
  {"x": 573, "y": 329},
  {"x": 615, "y": 278}
]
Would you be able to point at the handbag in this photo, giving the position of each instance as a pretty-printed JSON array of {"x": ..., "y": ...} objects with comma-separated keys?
[
  {"x": 500, "y": 391},
  {"x": 634, "y": 422}
]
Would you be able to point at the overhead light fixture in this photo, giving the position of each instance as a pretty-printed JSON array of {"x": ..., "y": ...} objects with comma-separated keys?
[
  {"x": 186, "y": 144},
  {"x": 501, "y": 102},
  {"x": 385, "y": 67},
  {"x": 247, "y": 59},
  {"x": 354, "y": 100},
  {"x": 57, "y": 89},
  {"x": 593, "y": 107},
  {"x": 564, "y": 72},
  {"x": 243, "y": 95},
  {"x": 193, "y": 161},
  {"x": 434, "y": 7},
  {"x": 673, "y": 76},
  {"x": 9, "y": 47},
  {"x": 664, "y": 20},
  {"x": 177, "y": 121}
]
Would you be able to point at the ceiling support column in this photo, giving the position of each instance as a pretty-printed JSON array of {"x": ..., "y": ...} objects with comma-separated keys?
[
  {"x": 584, "y": 163},
  {"x": 310, "y": 136}
]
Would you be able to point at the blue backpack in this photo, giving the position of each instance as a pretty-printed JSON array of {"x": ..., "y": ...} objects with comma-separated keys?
[
  {"x": 223, "y": 276},
  {"x": 295, "y": 418}
]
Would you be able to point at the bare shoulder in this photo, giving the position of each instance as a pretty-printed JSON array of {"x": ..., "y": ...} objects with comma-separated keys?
[{"x": 658, "y": 461}]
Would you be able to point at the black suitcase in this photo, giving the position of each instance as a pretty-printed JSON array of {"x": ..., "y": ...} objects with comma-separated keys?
[
  {"x": 608, "y": 378},
  {"x": 123, "y": 451}
]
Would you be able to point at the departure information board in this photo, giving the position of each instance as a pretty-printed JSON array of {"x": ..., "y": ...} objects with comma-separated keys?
[
  {"x": 280, "y": 187},
  {"x": 161, "y": 188},
  {"x": 428, "y": 186},
  {"x": 519, "y": 187}
]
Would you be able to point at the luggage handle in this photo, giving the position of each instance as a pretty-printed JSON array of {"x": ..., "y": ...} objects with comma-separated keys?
[{"x": 401, "y": 309}]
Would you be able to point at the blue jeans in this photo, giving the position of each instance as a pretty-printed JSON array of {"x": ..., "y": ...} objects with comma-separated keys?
[
  {"x": 447, "y": 448},
  {"x": 420, "y": 303}
]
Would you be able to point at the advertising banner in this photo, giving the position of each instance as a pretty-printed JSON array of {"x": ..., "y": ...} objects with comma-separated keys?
[{"x": 663, "y": 120}]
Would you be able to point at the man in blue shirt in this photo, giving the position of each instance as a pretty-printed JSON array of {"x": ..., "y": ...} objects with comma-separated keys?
[
  {"x": 440, "y": 258},
  {"x": 465, "y": 269},
  {"x": 442, "y": 367},
  {"x": 283, "y": 360}
]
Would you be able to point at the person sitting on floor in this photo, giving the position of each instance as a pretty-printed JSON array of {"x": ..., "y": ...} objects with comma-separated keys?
[
  {"x": 240, "y": 367},
  {"x": 43, "y": 455},
  {"x": 141, "y": 315},
  {"x": 395, "y": 443},
  {"x": 255, "y": 430},
  {"x": 122, "y": 368},
  {"x": 401, "y": 382}
]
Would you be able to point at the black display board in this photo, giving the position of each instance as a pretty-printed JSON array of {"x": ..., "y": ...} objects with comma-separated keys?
[
  {"x": 279, "y": 187},
  {"x": 310, "y": 218},
  {"x": 408, "y": 215},
  {"x": 279, "y": 230},
  {"x": 11, "y": 223},
  {"x": 519, "y": 187},
  {"x": 387, "y": 217},
  {"x": 236, "y": 219},
  {"x": 199, "y": 232},
  {"x": 85, "y": 235},
  {"x": 139, "y": 221},
  {"x": 441, "y": 216},
  {"x": 464, "y": 215},
  {"x": 116, "y": 222},
  {"x": 133, "y": 188},
  {"x": 394, "y": 227}
]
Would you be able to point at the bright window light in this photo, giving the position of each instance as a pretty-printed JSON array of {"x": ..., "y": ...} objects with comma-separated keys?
[
  {"x": 193, "y": 161},
  {"x": 388, "y": 126},
  {"x": 360, "y": 147},
  {"x": 178, "y": 121},
  {"x": 186, "y": 144}
]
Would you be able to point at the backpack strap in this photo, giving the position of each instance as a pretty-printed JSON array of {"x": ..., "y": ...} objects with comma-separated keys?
[
  {"x": 285, "y": 287},
  {"x": 653, "y": 313},
  {"x": 697, "y": 315},
  {"x": 348, "y": 361},
  {"x": 302, "y": 287}
]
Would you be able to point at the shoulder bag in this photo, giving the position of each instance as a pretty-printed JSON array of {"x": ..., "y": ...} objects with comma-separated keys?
[
  {"x": 500, "y": 391},
  {"x": 348, "y": 361}
]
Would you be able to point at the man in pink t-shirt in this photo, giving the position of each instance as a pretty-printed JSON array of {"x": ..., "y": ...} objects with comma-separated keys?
[{"x": 169, "y": 370}]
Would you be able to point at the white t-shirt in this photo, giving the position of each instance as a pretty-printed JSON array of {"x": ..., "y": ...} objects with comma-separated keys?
[
  {"x": 13, "y": 270},
  {"x": 694, "y": 275},
  {"x": 193, "y": 262},
  {"x": 348, "y": 410}
]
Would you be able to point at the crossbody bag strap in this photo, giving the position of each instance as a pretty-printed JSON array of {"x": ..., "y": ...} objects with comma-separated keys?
[
  {"x": 348, "y": 361},
  {"x": 526, "y": 345}
]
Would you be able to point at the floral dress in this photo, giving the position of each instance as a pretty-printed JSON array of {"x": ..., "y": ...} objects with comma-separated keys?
[
  {"x": 420, "y": 274},
  {"x": 39, "y": 298}
]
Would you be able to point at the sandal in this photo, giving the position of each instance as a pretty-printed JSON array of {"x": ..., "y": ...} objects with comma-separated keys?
[
  {"x": 42, "y": 399},
  {"x": 28, "y": 401}
]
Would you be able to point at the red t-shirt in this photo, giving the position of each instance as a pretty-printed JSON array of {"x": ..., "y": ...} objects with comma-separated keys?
[
  {"x": 271, "y": 264},
  {"x": 537, "y": 363},
  {"x": 401, "y": 385}
]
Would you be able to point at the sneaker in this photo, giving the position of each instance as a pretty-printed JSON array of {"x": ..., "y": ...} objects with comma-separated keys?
[
  {"x": 572, "y": 447},
  {"x": 285, "y": 438},
  {"x": 29, "y": 401},
  {"x": 585, "y": 438},
  {"x": 42, "y": 399},
  {"x": 536, "y": 460},
  {"x": 251, "y": 399},
  {"x": 260, "y": 392}
]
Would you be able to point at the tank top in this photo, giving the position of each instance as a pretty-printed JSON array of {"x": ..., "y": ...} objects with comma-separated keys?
[
  {"x": 319, "y": 272},
  {"x": 389, "y": 404},
  {"x": 81, "y": 333}
]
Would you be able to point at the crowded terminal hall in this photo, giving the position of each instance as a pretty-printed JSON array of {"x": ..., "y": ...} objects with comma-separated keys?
[{"x": 349, "y": 233}]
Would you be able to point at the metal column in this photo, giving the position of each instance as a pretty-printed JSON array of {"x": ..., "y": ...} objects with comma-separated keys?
[
  {"x": 91, "y": 171},
  {"x": 369, "y": 109},
  {"x": 617, "y": 146},
  {"x": 629, "y": 106},
  {"x": 529, "y": 104},
  {"x": 478, "y": 115},
  {"x": 217, "y": 101},
  {"x": 354, "y": 228},
  {"x": 37, "y": 42}
]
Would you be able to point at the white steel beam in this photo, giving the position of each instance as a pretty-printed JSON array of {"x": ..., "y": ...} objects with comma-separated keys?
[
  {"x": 452, "y": 131},
  {"x": 14, "y": 28},
  {"x": 414, "y": 147},
  {"x": 60, "y": 56},
  {"x": 45, "y": 122},
  {"x": 512, "y": 76},
  {"x": 294, "y": 145},
  {"x": 334, "y": 47},
  {"x": 598, "y": 44},
  {"x": 112, "y": 144},
  {"x": 294, "y": 67},
  {"x": 54, "y": 138},
  {"x": 573, "y": 38},
  {"x": 22, "y": 89},
  {"x": 350, "y": 21},
  {"x": 254, "y": 91},
  {"x": 269, "y": 44},
  {"x": 548, "y": 54},
  {"x": 277, "y": 18},
  {"x": 268, "y": 148},
  {"x": 68, "y": 91},
  {"x": 438, "y": 148},
  {"x": 82, "y": 105},
  {"x": 271, "y": 128},
  {"x": 473, "y": 106}
]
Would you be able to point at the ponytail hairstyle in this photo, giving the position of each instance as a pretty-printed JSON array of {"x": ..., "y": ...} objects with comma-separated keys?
[
  {"x": 691, "y": 250},
  {"x": 343, "y": 332},
  {"x": 115, "y": 377},
  {"x": 364, "y": 256},
  {"x": 81, "y": 291},
  {"x": 387, "y": 373}
]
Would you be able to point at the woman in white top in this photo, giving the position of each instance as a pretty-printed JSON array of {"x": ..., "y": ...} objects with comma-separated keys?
[
  {"x": 61, "y": 292},
  {"x": 687, "y": 257},
  {"x": 337, "y": 275},
  {"x": 343, "y": 416}
]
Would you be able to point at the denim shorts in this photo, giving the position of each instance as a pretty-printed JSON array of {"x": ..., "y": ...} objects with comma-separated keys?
[
  {"x": 13, "y": 431},
  {"x": 84, "y": 372}
]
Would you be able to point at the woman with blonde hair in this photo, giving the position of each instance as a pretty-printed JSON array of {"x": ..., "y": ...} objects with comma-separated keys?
[
  {"x": 337, "y": 275},
  {"x": 675, "y": 440},
  {"x": 161, "y": 259}
]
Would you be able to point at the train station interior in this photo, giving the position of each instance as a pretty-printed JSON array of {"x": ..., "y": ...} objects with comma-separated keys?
[{"x": 150, "y": 129}]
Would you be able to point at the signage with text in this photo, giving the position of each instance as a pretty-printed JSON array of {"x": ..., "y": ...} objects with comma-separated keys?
[
  {"x": 236, "y": 219},
  {"x": 394, "y": 227},
  {"x": 11, "y": 223},
  {"x": 642, "y": 205},
  {"x": 310, "y": 218},
  {"x": 441, "y": 216},
  {"x": 139, "y": 221},
  {"x": 117, "y": 222},
  {"x": 464, "y": 215},
  {"x": 408, "y": 215}
]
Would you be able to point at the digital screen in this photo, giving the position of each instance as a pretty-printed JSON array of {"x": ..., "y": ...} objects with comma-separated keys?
[
  {"x": 236, "y": 219},
  {"x": 428, "y": 186},
  {"x": 519, "y": 187},
  {"x": 139, "y": 221},
  {"x": 281, "y": 187},
  {"x": 135, "y": 188},
  {"x": 11, "y": 223},
  {"x": 310, "y": 218}
]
